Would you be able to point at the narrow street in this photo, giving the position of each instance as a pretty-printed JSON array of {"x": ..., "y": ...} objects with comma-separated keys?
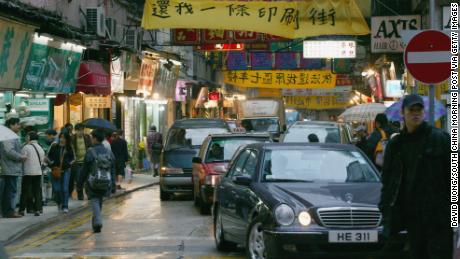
[{"x": 135, "y": 226}]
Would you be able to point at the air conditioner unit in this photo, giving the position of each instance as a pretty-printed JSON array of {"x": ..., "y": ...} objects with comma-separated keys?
[
  {"x": 111, "y": 28},
  {"x": 131, "y": 38},
  {"x": 95, "y": 21}
]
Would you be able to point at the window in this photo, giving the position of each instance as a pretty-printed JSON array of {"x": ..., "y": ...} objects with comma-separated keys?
[
  {"x": 250, "y": 166},
  {"x": 223, "y": 149},
  {"x": 238, "y": 165}
]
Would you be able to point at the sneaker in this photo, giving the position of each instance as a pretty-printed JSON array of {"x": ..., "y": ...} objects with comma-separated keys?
[
  {"x": 65, "y": 211},
  {"x": 13, "y": 216}
]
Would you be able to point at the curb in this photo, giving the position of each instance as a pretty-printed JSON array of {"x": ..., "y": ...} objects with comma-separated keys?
[{"x": 50, "y": 221}]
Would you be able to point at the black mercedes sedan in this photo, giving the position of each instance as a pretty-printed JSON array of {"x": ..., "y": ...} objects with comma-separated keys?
[{"x": 286, "y": 200}]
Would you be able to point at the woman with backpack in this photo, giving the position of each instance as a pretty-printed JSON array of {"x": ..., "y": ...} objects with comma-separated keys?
[
  {"x": 61, "y": 157},
  {"x": 31, "y": 195}
]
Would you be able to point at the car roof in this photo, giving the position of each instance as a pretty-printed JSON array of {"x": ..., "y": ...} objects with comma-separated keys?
[
  {"x": 200, "y": 123},
  {"x": 240, "y": 135},
  {"x": 316, "y": 123},
  {"x": 306, "y": 146}
]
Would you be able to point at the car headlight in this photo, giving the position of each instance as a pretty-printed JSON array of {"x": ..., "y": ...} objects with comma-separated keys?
[
  {"x": 284, "y": 215},
  {"x": 304, "y": 218}
]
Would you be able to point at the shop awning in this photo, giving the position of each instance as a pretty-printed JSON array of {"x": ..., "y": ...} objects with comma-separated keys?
[{"x": 92, "y": 79}]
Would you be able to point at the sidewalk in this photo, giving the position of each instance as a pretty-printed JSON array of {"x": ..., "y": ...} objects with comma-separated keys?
[{"x": 10, "y": 229}]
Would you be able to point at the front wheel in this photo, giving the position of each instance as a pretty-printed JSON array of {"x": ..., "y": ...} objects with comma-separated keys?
[
  {"x": 255, "y": 242},
  {"x": 221, "y": 243}
]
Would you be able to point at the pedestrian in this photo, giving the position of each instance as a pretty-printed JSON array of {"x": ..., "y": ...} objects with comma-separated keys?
[
  {"x": 377, "y": 140},
  {"x": 11, "y": 160},
  {"x": 416, "y": 183},
  {"x": 120, "y": 151},
  {"x": 61, "y": 157},
  {"x": 313, "y": 138},
  {"x": 106, "y": 142},
  {"x": 98, "y": 176},
  {"x": 50, "y": 138},
  {"x": 361, "y": 134},
  {"x": 31, "y": 195},
  {"x": 154, "y": 147},
  {"x": 80, "y": 143},
  {"x": 69, "y": 127}
]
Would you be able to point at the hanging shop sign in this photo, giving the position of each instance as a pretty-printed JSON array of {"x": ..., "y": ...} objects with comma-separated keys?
[
  {"x": 97, "y": 102},
  {"x": 15, "y": 43},
  {"x": 52, "y": 68},
  {"x": 116, "y": 76},
  {"x": 216, "y": 36},
  {"x": 296, "y": 19},
  {"x": 220, "y": 47},
  {"x": 261, "y": 60},
  {"x": 33, "y": 111},
  {"x": 317, "y": 92},
  {"x": 329, "y": 49},
  {"x": 386, "y": 32},
  {"x": 295, "y": 79},
  {"x": 237, "y": 60},
  {"x": 146, "y": 76},
  {"x": 393, "y": 89},
  {"x": 315, "y": 102}
]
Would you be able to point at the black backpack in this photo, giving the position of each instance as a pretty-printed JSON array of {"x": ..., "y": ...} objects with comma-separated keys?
[{"x": 100, "y": 177}]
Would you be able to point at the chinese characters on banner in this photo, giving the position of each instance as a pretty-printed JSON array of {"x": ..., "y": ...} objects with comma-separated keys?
[
  {"x": 146, "y": 76},
  {"x": 296, "y": 19},
  {"x": 194, "y": 37},
  {"x": 279, "y": 79},
  {"x": 315, "y": 102},
  {"x": 15, "y": 43},
  {"x": 98, "y": 102}
]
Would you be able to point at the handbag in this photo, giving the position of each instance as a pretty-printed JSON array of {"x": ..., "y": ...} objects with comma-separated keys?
[{"x": 56, "y": 171}]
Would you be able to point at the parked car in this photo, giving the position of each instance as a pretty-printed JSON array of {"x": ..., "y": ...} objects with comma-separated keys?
[
  {"x": 182, "y": 143},
  {"x": 327, "y": 132},
  {"x": 212, "y": 160},
  {"x": 289, "y": 200}
]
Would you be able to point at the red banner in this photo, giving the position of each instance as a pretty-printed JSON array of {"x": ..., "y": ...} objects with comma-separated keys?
[
  {"x": 192, "y": 36},
  {"x": 186, "y": 36},
  {"x": 216, "y": 36}
]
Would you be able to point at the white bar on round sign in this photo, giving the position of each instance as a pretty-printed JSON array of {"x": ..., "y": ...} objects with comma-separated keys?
[{"x": 428, "y": 57}]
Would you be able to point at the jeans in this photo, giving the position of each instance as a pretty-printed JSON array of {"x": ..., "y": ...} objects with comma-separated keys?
[
  {"x": 61, "y": 189},
  {"x": 74, "y": 178},
  {"x": 96, "y": 206},
  {"x": 9, "y": 194}
]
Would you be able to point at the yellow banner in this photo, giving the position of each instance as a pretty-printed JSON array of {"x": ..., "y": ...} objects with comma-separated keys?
[
  {"x": 296, "y": 19},
  {"x": 281, "y": 79},
  {"x": 314, "y": 102}
]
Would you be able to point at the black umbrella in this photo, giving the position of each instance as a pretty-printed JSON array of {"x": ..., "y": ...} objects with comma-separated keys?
[{"x": 95, "y": 123}]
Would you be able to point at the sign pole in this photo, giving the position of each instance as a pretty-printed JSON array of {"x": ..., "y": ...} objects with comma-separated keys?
[{"x": 431, "y": 89}]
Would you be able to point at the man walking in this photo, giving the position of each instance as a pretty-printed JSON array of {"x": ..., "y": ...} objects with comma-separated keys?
[
  {"x": 80, "y": 143},
  {"x": 382, "y": 132},
  {"x": 416, "y": 180},
  {"x": 98, "y": 176},
  {"x": 154, "y": 146},
  {"x": 11, "y": 160},
  {"x": 120, "y": 151}
]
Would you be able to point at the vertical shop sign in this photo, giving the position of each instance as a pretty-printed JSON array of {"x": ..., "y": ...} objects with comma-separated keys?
[
  {"x": 15, "y": 43},
  {"x": 116, "y": 76},
  {"x": 146, "y": 76}
]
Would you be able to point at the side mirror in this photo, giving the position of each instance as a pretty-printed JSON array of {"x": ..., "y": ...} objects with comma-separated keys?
[
  {"x": 242, "y": 180},
  {"x": 197, "y": 160}
]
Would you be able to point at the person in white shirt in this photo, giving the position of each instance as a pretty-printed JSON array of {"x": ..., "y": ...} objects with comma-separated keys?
[{"x": 31, "y": 195}]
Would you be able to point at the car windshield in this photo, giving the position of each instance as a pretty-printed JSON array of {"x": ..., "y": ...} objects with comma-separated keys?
[
  {"x": 180, "y": 138},
  {"x": 222, "y": 149},
  {"x": 306, "y": 133},
  {"x": 306, "y": 165},
  {"x": 260, "y": 125}
]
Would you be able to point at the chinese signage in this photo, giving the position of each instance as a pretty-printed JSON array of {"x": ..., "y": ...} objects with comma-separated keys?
[
  {"x": 386, "y": 32},
  {"x": 220, "y": 47},
  {"x": 315, "y": 102},
  {"x": 279, "y": 79},
  {"x": 317, "y": 92},
  {"x": 237, "y": 60},
  {"x": 329, "y": 49},
  {"x": 15, "y": 43},
  {"x": 51, "y": 69},
  {"x": 116, "y": 77},
  {"x": 98, "y": 102},
  {"x": 294, "y": 19},
  {"x": 39, "y": 104},
  {"x": 146, "y": 76},
  {"x": 198, "y": 37}
]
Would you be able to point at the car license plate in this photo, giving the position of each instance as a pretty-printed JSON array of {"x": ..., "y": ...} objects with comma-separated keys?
[{"x": 353, "y": 236}]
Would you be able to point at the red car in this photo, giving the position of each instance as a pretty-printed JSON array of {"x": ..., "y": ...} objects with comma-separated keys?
[{"x": 215, "y": 153}]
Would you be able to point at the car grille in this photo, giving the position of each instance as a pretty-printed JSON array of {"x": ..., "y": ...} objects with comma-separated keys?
[{"x": 349, "y": 217}]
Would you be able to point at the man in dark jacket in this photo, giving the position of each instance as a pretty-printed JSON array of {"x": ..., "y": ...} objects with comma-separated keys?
[
  {"x": 381, "y": 123},
  {"x": 80, "y": 144},
  {"x": 120, "y": 151},
  {"x": 154, "y": 146},
  {"x": 96, "y": 197},
  {"x": 416, "y": 183}
]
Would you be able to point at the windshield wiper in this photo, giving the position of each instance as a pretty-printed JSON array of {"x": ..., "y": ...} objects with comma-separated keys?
[{"x": 289, "y": 180}]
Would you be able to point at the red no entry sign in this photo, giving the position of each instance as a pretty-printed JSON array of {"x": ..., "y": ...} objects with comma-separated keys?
[{"x": 427, "y": 57}]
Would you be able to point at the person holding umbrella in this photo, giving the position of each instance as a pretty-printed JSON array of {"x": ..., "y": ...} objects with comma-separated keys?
[
  {"x": 416, "y": 185},
  {"x": 11, "y": 160}
]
